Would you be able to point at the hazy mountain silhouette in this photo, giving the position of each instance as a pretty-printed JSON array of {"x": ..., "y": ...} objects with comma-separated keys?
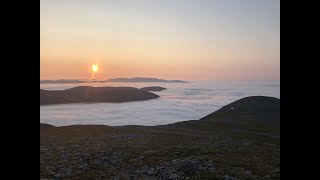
[{"x": 135, "y": 79}]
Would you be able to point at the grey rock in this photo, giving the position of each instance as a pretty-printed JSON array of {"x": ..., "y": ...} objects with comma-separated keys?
[
  {"x": 228, "y": 177},
  {"x": 150, "y": 172},
  {"x": 173, "y": 176},
  {"x": 248, "y": 173},
  {"x": 268, "y": 176}
]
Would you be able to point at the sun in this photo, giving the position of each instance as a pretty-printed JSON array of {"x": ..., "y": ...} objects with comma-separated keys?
[{"x": 94, "y": 68}]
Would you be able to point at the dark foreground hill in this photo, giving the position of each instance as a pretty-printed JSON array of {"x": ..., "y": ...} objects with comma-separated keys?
[
  {"x": 43, "y": 125},
  {"x": 239, "y": 141},
  {"x": 87, "y": 94},
  {"x": 255, "y": 109},
  {"x": 254, "y": 113}
]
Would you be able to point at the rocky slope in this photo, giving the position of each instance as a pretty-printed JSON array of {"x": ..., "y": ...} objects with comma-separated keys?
[{"x": 239, "y": 141}]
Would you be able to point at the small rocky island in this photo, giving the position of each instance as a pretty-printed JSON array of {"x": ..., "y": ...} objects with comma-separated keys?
[
  {"x": 88, "y": 94},
  {"x": 153, "y": 88}
]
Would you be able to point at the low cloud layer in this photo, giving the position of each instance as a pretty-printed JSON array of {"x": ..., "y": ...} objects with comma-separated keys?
[{"x": 180, "y": 102}]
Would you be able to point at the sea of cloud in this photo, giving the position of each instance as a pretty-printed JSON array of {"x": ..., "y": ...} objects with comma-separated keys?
[{"x": 180, "y": 102}]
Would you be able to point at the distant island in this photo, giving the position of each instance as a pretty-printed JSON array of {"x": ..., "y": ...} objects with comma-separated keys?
[
  {"x": 239, "y": 141},
  {"x": 135, "y": 79},
  {"x": 88, "y": 94},
  {"x": 153, "y": 88}
]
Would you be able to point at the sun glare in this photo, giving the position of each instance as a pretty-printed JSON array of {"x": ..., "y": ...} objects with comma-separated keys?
[{"x": 95, "y": 68}]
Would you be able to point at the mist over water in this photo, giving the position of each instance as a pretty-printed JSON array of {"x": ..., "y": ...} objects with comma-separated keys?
[{"x": 180, "y": 102}]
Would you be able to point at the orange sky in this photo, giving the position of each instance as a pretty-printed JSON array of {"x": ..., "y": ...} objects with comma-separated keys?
[{"x": 160, "y": 39}]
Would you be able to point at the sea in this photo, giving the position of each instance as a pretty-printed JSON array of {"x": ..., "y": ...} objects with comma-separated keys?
[{"x": 179, "y": 102}]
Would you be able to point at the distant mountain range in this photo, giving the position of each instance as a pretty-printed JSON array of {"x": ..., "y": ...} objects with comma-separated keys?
[{"x": 135, "y": 79}]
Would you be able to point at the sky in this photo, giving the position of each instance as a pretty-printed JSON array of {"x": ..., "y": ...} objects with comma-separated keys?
[{"x": 168, "y": 39}]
